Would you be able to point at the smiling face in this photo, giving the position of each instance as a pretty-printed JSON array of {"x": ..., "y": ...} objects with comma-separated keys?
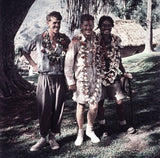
[
  {"x": 54, "y": 25},
  {"x": 87, "y": 28},
  {"x": 106, "y": 27}
]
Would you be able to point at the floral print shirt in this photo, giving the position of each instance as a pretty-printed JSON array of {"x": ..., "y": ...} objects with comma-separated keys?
[
  {"x": 50, "y": 61},
  {"x": 110, "y": 56}
]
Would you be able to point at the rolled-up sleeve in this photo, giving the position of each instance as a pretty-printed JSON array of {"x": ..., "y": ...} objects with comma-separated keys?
[
  {"x": 70, "y": 62},
  {"x": 30, "y": 46},
  {"x": 119, "y": 42}
]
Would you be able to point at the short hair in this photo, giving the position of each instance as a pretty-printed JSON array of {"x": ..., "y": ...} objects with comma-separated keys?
[
  {"x": 86, "y": 17},
  {"x": 104, "y": 18},
  {"x": 53, "y": 14}
]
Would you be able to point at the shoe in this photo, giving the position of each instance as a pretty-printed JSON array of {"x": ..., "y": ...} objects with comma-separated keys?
[
  {"x": 41, "y": 143},
  {"x": 90, "y": 133},
  {"x": 79, "y": 139},
  {"x": 103, "y": 130},
  {"x": 131, "y": 130},
  {"x": 53, "y": 144}
]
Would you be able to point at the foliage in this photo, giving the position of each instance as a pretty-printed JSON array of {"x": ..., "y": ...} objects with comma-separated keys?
[
  {"x": 125, "y": 9},
  {"x": 140, "y": 14},
  {"x": 78, "y": 7},
  {"x": 136, "y": 10}
]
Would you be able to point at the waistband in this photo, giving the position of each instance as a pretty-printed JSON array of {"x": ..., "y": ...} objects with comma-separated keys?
[{"x": 51, "y": 73}]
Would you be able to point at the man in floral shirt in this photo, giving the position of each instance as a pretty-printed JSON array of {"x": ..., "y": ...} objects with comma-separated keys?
[
  {"x": 111, "y": 64},
  {"x": 51, "y": 47},
  {"x": 82, "y": 72}
]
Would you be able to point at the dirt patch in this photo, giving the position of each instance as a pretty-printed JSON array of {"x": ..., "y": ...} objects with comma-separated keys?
[{"x": 136, "y": 141}]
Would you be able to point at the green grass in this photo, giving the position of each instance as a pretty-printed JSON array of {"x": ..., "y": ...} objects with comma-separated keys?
[{"x": 20, "y": 128}]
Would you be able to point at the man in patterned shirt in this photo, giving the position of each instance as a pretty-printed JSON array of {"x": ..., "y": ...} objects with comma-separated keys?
[
  {"x": 111, "y": 64},
  {"x": 51, "y": 47}
]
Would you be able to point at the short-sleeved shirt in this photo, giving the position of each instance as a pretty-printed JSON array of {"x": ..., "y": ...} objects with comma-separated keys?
[
  {"x": 49, "y": 61},
  {"x": 110, "y": 56}
]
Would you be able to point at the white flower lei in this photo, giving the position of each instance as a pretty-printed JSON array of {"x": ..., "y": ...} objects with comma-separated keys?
[
  {"x": 113, "y": 55},
  {"x": 94, "y": 98}
]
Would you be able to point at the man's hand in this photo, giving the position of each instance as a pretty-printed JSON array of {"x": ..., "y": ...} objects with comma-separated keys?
[
  {"x": 35, "y": 68},
  {"x": 72, "y": 87},
  {"x": 128, "y": 75}
]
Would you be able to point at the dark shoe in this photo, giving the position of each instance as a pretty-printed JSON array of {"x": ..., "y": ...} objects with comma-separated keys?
[
  {"x": 127, "y": 128},
  {"x": 103, "y": 131}
]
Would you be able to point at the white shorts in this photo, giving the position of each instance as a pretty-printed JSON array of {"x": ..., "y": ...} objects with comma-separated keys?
[{"x": 112, "y": 92}]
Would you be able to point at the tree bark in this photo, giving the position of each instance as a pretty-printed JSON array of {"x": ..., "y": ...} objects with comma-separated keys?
[
  {"x": 12, "y": 14},
  {"x": 148, "y": 42}
]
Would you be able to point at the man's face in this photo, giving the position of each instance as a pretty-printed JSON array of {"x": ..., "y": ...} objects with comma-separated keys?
[
  {"x": 54, "y": 25},
  {"x": 106, "y": 27},
  {"x": 87, "y": 28}
]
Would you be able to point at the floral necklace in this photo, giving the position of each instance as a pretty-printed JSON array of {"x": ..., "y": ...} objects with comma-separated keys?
[
  {"x": 84, "y": 53},
  {"x": 54, "y": 55},
  {"x": 110, "y": 60}
]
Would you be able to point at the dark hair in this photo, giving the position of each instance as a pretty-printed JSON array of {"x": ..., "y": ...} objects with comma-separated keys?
[
  {"x": 53, "y": 14},
  {"x": 86, "y": 17},
  {"x": 104, "y": 18}
]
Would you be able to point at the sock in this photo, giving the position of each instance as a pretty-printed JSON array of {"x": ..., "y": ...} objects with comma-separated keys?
[
  {"x": 102, "y": 122},
  {"x": 122, "y": 122}
]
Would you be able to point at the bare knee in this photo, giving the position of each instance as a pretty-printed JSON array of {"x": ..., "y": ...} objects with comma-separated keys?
[
  {"x": 93, "y": 108},
  {"x": 119, "y": 102},
  {"x": 80, "y": 107}
]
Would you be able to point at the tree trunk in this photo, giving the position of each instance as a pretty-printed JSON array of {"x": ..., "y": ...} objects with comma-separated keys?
[
  {"x": 148, "y": 42},
  {"x": 12, "y": 14}
]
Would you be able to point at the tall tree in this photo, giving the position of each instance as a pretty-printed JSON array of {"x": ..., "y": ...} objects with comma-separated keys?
[
  {"x": 10, "y": 20},
  {"x": 77, "y": 7},
  {"x": 124, "y": 8},
  {"x": 148, "y": 42}
]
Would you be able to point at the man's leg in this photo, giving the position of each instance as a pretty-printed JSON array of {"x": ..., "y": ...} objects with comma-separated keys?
[
  {"x": 91, "y": 115},
  {"x": 101, "y": 119},
  {"x": 80, "y": 121},
  {"x": 43, "y": 103},
  {"x": 121, "y": 112},
  {"x": 101, "y": 111}
]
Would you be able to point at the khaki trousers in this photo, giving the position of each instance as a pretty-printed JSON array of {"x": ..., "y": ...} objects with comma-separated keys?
[{"x": 50, "y": 94}]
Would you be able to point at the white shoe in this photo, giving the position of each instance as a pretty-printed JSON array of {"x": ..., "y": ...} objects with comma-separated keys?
[
  {"x": 90, "y": 133},
  {"x": 79, "y": 139},
  {"x": 53, "y": 144},
  {"x": 41, "y": 143}
]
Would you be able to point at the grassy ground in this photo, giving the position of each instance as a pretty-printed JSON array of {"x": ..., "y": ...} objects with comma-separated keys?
[{"x": 20, "y": 129}]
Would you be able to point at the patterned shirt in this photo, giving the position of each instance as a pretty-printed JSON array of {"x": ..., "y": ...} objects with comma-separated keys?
[
  {"x": 110, "y": 56},
  {"x": 50, "y": 61}
]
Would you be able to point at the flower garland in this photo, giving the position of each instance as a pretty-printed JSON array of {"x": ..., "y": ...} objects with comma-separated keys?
[
  {"x": 110, "y": 60},
  {"x": 53, "y": 55},
  {"x": 84, "y": 53}
]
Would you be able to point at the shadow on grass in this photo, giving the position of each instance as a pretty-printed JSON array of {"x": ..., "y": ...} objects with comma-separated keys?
[{"x": 20, "y": 128}]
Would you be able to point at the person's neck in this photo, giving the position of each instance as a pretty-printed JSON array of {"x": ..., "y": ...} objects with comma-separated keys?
[
  {"x": 53, "y": 36},
  {"x": 88, "y": 37},
  {"x": 106, "y": 38}
]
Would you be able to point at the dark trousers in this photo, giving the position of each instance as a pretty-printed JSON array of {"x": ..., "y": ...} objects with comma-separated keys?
[{"x": 51, "y": 91}]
